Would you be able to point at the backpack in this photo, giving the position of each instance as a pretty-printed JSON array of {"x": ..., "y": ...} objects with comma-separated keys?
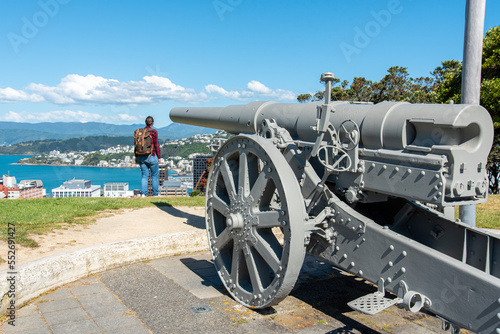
[{"x": 142, "y": 142}]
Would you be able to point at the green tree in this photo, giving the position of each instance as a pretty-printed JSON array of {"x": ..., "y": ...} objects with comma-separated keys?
[{"x": 448, "y": 76}]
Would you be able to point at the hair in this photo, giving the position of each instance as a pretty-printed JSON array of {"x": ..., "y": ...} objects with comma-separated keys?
[{"x": 149, "y": 121}]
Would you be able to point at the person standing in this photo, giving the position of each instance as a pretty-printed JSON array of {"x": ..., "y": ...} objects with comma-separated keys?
[{"x": 150, "y": 162}]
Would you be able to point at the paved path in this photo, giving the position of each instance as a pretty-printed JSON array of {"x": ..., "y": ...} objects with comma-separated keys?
[{"x": 183, "y": 294}]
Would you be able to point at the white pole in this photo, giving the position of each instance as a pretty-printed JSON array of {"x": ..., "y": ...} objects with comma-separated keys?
[{"x": 471, "y": 73}]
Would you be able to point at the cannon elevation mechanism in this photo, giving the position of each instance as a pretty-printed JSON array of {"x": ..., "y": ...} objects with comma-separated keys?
[{"x": 367, "y": 187}]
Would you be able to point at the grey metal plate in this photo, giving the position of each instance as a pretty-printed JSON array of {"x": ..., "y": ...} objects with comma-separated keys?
[{"x": 373, "y": 303}]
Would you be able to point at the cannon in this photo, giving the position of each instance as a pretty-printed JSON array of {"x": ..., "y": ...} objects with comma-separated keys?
[{"x": 370, "y": 188}]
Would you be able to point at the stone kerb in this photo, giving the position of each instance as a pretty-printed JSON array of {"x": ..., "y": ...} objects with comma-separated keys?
[{"x": 35, "y": 278}]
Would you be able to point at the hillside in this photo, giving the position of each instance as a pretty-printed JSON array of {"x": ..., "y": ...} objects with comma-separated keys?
[
  {"x": 86, "y": 144},
  {"x": 14, "y": 132}
]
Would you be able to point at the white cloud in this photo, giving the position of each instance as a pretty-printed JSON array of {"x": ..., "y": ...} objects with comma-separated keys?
[
  {"x": 76, "y": 89},
  {"x": 67, "y": 116},
  {"x": 91, "y": 89},
  {"x": 8, "y": 95},
  {"x": 233, "y": 95},
  {"x": 255, "y": 90},
  {"x": 258, "y": 87}
]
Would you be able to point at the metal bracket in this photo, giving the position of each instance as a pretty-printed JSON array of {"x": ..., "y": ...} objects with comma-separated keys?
[
  {"x": 324, "y": 110},
  {"x": 216, "y": 144}
]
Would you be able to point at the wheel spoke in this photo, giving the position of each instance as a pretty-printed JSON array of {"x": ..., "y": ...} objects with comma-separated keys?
[
  {"x": 268, "y": 219},
  {"x": 243, "y": 174},
  {"x": 235, "y": 265},
  {"x": 219, "y": 205},
  {"x": 267, "y": 254},
  {"x": 228, "y": 179},
  {"x": 253, "y": 272},
  {"x": 222, "y": 239},
  {"x": 259, "y": 186}
]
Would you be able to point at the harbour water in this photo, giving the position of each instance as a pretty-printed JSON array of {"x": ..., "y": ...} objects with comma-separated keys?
[{"x": 54, "y": 176}]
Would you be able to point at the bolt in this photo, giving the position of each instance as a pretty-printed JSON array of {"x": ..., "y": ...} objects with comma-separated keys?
[
  {"x": 337, "y": 248},
  {"x": 391, "y": 247},
  {"x": 389, "y": 280},
  {"x": 352, "y": 264},
  {"x": 390, "y": 264},
  {"x": 344, "y": 256},
  {"x": 360, "y": 272},
  {"x": 409, "y": 171},
  {"x": 404, "y": 253},
  {"x": 396, "y": 169},
  {"x": 422, "y": 173},
  {"x": 403, "y": 270}
]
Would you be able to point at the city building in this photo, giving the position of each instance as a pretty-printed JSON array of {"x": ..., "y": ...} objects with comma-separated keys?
[
  {"x": 8, "y": 193},
  {"x": 31, "y": 189},
  {"x": 25, "y": 189},
  {"x": 199, "y": 167},
  {"x": 117, "y": 189},
  {"x": 9, "y": 181},
  {"x": 77, "y": 188},
  {"x": 174, "y": 188},
  {"x": 162, "y": 177}
]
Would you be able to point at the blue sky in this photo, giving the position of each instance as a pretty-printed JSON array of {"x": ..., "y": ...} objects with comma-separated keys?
[{"x": 119, "y": 61}]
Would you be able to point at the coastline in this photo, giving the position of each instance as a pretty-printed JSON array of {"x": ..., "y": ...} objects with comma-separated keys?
[{"x": 66, "y": 165}]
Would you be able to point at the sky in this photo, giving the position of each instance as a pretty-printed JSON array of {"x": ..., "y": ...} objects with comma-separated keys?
[{"x": 119, "y": 61}]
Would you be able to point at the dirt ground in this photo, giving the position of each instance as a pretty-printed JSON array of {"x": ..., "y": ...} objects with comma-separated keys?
[{"x": 122, "y": 225}]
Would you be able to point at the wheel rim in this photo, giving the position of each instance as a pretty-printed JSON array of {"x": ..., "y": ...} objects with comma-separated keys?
[{"x": 252, "y": 196}]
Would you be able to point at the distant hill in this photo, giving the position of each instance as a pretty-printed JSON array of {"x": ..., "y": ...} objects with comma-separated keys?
[
  {"x": 92, "y": 143},
  {"x": 14, "y": 132}
]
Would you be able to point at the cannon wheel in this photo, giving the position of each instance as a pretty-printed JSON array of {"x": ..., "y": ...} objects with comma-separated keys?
[{"x": 255, "y": 221}]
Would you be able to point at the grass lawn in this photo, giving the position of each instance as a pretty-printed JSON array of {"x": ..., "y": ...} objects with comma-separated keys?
[
  {"x": 488, "y": 214},
  {"x": 37, "y": 216}
]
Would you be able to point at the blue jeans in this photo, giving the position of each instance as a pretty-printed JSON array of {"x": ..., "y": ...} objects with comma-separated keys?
[{"x": 149, "y": 163}]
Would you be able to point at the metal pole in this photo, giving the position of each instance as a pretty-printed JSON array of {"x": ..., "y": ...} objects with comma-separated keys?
[{"x": 471, "y": 73}]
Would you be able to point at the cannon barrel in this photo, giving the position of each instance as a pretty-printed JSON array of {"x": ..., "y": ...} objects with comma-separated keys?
[
  {"x": 452, "y": 139},
  {"x": 392, "y": 125}
]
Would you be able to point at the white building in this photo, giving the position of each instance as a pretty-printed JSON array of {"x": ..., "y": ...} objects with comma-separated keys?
[
  {"x": 77, "y": 188},
  {"x": 117, "y": 189},
  {"x": 9, "y": 181}
]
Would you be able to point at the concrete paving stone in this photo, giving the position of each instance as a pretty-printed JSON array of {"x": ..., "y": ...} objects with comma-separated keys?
[
  {"x": 27, "y": 311},
  {"x": 130, "y": 330},
  {"x": 88, "y": 289},
  {"x": 61, "y": 293},
  {"x": 116, "y": 321},
  {"x": 96, "y": 298},
  {"x": 169, "y": 266},
  {"x": 206, "y": 292},
  {"x": 161, "y": 304},
  {"x": 377, "y": 321},
  {"x": 263, "y": 326},
  {"x": 86, "y": 280},
  {"x": 105, "y": 309},
  {"x": 197, "y": 263},
  {"x": 41, "y": 330},
  {"x": 191, "y": 284},
  {"x": 214, "y": 279},
  {"x": 58, "y": 305},
  {"x": 433, "y": 324},
  {"x": 204, "y": 272},
  {"x": 34, "y": 321},
  {"x": 63, "y": 316},
  {"x": 76, "y": 327},
  {"x": 408, "y": 328}
]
